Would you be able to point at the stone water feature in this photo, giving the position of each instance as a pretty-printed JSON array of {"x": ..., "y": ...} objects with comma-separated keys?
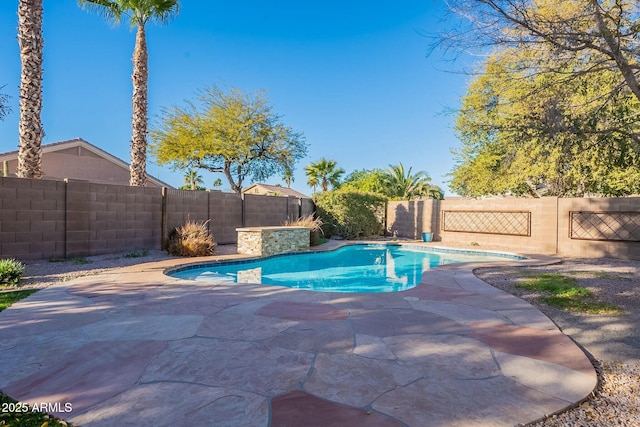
[{"x": 267, "y": 241}]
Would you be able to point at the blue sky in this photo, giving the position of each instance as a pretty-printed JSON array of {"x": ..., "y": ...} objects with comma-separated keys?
[{"x": 353, "y": 76}]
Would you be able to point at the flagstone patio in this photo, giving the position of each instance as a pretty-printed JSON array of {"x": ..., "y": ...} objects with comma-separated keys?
[{"x": 136, "y": 347}]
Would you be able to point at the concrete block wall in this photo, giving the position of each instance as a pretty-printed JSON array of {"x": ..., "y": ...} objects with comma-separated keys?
[
  {"x": 226, "y": 216},
  {"x": 104, "y": 218},
  {"x": 227, "y": 211},
  {"x": 265, "y": 210},
  {"x": 294, "y": 208},
  {"x": 41, "y": 219},
  {"x": 32, "y": 219},
  {"x": 184, "y": 205},
  {"x": 308, "y": 207}
]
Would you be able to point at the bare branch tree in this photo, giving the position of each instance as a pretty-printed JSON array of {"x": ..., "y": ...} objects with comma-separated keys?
[{"x": 597, "y": 34}]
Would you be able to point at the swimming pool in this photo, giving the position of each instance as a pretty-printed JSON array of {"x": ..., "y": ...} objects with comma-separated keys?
[{"x": 354, "y": 268}]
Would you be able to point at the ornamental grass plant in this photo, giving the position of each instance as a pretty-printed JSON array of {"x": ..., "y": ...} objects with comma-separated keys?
[
  {"x": 313, "y": 223},
  {"x": 191, "y": 239}
]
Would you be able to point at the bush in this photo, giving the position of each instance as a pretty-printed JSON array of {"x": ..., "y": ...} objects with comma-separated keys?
[
  {"x": 313, "y": 223},
  {"x": 351, "y": 214},
  {"x": 137, "y": 254},
  {"x": 191, "y": 239},
  {"x": 10, "y": 272}
]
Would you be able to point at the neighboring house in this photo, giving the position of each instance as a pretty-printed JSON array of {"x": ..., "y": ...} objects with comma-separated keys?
[
  {"x": 77, "y": 159},
  {"x": 273, "y": 190}
]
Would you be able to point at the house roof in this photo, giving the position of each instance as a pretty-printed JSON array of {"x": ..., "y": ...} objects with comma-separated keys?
[
  {"x": 283, "y": 191},
  {"x": 79, "y": 142}
]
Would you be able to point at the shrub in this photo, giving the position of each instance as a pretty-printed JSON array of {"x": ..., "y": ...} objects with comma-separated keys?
[
  {"x": 137, "y": 254},
  {"x": 351, "y": 214},
  {"x": 313, "y": 223},
  {"x": 10, "y": 272},
  {"x": 191, "y": 239}
]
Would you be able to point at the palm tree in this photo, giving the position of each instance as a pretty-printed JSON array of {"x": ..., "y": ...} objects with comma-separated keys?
[
  {"x": 323, "y": 173},
  {"x": 217, "y": 183},
  {"x": 30, "y": 126},
  {"x": 139, "y": 13},
  {"x": 287, "y": 177},
  {"x": 192, "y": 180},
  {"x": 405, "y": 185},
  {"x": 312, "y": 181},
  {"x": 435, "y": 192}
]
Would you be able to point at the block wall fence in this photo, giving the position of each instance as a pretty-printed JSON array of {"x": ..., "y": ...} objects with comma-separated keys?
[
  {"x": 573, "y": 227},
  {"x": 44, "y": 219}
]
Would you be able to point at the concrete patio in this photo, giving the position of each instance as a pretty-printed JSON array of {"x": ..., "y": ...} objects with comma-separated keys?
[{"x": 137, "y": 348}]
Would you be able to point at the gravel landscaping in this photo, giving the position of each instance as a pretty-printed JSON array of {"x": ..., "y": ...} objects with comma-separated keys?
[{"x": 612, "y": 341}]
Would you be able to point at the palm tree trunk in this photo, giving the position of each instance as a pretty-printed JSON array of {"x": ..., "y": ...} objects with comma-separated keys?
[
  {"x": 30, "y": 127},
  {"x": 140, "y": 76}
]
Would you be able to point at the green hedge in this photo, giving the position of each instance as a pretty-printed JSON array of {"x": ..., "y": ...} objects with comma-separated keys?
[{"x": 351, "y": 214}]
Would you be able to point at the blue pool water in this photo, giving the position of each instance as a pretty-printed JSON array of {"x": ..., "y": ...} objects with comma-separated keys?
[{"x": 353, "y": 268}]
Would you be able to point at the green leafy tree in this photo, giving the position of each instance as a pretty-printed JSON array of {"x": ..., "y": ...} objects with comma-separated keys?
[
  {"x": 193, "y": 181},
  {"x": 394, "y": 183},
  {"x": 323, "y": 173},
  {"x": 570, "y": 71},
  {"x": 232, "y": 133},
  {"x": 139, "y": 13},
  {"x": 366, "y": 180},
  {"x": 435, "y": 192},
  {"x": 351, "y": 214},
  {"x": 546, "y": 135},
  {"x": 217, "y": 183},
  {"x": 30, "y": 131}
]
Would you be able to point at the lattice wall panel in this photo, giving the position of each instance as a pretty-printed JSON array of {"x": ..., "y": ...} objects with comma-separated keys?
[
  {"x": 612, "y": 226},
  {"x": 513, "y": 223}
]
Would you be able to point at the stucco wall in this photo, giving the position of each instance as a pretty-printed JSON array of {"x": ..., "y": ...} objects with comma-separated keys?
[
  {"x": 576, "y": 227},
  {"x": 610, "y": 227}
]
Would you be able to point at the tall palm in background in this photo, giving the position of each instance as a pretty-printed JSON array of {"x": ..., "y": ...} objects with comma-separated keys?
[
  {"x": 192, "y": 180},
  {"x": 287, "y": 177},
  {"x": 404, "y": 185},
  {"x": 323, "y": 173},
  {"x": 139, "y": 13},
  {"x": 30, "y": 126},
  {"x": 312, "y": 181}
]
